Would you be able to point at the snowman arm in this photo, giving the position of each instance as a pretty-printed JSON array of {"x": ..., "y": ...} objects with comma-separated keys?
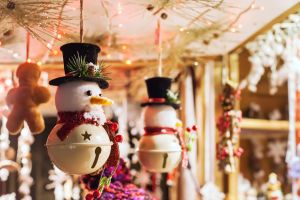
[{"x": 41, "y": 95}]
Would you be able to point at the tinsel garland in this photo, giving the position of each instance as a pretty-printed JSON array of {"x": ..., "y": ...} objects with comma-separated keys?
[
  {"x": 40, "y": 18},
  {"x": 229, "y": 128}
]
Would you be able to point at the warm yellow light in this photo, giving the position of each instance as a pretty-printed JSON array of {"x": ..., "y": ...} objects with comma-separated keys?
[
  {"x": 128, "y": 62},
  {"x": 55, "y": 52},
  {"x": 39, "y": 63},
  {"x": 181, "y": 29},
  {"x": 124, "y": 47},
  {"x": 59, "y": 36},
  {"x": 29, "y": 60},
  {"x": 49, "y": 45},
  {"x": 233, "y": 30}
]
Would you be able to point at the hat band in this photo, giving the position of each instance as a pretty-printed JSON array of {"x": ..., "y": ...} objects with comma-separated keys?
[
  {"x": 159, "y": 131},
  {"x": 157, "y": 100}
]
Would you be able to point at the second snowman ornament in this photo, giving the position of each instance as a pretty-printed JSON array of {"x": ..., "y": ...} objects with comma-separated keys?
[
  {"x": 160, "y": 149},
  {"x": 82, "y": 141}
]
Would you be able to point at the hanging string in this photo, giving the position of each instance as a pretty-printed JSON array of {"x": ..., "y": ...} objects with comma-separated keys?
[
  {"x": 81, "y": 21},
  {"x": 158, "y": 41},
  {"x": 27, "y": 46}
]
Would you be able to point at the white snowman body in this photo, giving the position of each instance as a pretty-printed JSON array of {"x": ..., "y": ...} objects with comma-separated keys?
[
  {"x": 87, "y": 147},
  {"x": 159, "y": 152}
]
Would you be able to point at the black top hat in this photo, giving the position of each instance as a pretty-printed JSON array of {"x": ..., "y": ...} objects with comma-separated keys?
[
  {"x": 158, "y": 89},
  {"x": 80, "y": 63}
]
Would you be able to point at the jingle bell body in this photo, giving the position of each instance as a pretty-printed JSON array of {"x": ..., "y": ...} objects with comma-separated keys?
[
  {"x": 159, "y": 148},
  {"x": 84, "y": 151},
  {"x": 79, "y": 144},
  {"x": 159, "y": 153}
]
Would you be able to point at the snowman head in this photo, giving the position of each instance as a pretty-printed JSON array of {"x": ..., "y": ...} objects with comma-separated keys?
[
  {"x": 80, "y": 96},
  {"x": 160, "y": 116}
]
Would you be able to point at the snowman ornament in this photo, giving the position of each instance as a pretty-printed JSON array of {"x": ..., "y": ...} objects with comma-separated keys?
[
  {"x": 160, "y": 148},
  {"x": 82, "y": 141}
]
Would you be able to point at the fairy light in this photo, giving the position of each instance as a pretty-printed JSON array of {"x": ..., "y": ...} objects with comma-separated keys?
[
  {"x": 59, "y": 36},
  {"x": 49, "y": 45},
  {"x": 108, "y": 56},
  {"x": 124, "y": 47},
  {"x": 39, "y": 63},
  {"x": 233, "y": 30},
  {"x": 119, "y": 8},
  {"x": 120, "y": 25},
  {"x": 253, "y": 6},
  {"x": 29, "y": 60},
  {"x": 55, "y": 52},
  {"x": 128, "y": 62},
  {"x": 15, "y": 55},
  {"x": 181, "y": 29},
  {"x": 209, "y": 23}
]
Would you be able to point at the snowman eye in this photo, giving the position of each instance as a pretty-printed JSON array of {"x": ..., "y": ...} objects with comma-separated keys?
[
  {"x": 88, "y": 93},
  {"x": 100, "y": 95}
]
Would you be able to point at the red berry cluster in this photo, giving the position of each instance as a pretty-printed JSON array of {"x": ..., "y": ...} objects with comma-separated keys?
[
  {"x": 93, "y": 195},
  {"x": 193, "y": 128}
]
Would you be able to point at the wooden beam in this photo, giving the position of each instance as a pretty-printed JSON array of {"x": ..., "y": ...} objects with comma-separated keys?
[{"x": 267, "y": 27}]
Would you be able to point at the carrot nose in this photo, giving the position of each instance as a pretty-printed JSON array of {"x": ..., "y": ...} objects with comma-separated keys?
[{"x": 101, "y": 101}]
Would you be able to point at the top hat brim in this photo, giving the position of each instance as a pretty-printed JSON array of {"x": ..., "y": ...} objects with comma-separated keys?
[
  {"x": 174, "y": 105},
  {"x": 103, "y": 84}
]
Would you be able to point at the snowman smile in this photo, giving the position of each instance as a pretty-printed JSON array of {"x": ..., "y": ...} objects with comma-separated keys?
[{"x": 97, "y": 154}]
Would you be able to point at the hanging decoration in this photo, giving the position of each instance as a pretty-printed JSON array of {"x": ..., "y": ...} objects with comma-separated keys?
[
  {"x": 163, "y": 144},
  {"x": 121, "y": 186},
  {"x": 25, "y": 99},
  {"x": 11, "y": 196},
  {"x": 274, "y": 188},
  {"x": 65, "y": 186},
  {"x": 25, "y": 140},
  {"x": 277, "y": 50},
  {"x": 229, "y": 128},
  {"x": 82, "y": 123},
  {"x": 277, "y": 151},
  {"x": 7, "y": 164},
  {"x": 38, "y": 17},
  {"x": 82, "y": 131}
]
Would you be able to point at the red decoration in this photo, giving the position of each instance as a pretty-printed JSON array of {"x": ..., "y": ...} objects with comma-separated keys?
[
  {"x": 194, "y": 128},
  {"x": 119, "y": 138},
  {"x": 71, "y": 120},
  {"x": 157, "y": 100},
  {"x": 159, "y": 130},
  {"x": 229, "y": 128}
]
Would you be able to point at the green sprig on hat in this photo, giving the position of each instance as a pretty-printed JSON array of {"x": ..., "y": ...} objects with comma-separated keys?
[
  {"x": 172, "y": 97},
  {"x": 78, "y": 67}
]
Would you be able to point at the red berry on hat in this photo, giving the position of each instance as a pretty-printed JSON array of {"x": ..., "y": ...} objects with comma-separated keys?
[
  {"x": 119, "y": 138},
  {"x": 188, "y": 129}
]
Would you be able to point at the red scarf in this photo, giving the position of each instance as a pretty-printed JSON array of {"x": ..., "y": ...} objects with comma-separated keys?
[{"x": 71, "y": 120}]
